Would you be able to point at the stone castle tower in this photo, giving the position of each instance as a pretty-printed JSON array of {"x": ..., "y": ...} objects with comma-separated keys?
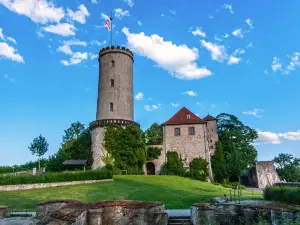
[{"x": 115, "y": 96}]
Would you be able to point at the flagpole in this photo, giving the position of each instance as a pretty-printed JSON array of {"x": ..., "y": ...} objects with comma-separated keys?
[{"x": 111, "y": 27}]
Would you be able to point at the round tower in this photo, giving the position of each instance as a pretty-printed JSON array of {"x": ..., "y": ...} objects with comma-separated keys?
[{"x": 115, "y": 96}]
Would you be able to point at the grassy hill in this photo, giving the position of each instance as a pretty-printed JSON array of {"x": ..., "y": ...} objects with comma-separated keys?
[{"x": 175, "y": 192}]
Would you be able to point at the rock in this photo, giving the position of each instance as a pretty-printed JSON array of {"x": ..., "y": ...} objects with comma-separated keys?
[{"x": 4, "y": 211}]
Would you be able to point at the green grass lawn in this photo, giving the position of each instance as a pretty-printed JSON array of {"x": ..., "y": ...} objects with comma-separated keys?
[{"x": 174, "y": 192}]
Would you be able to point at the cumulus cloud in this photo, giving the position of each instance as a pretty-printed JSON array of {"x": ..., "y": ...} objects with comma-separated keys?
[
  {"x": 254, "y": 112},
  {"x": 292, "y": 136},
  {"x": 104, "y": 16},
  {"x": 120, "y": 13},
  {"x": 294, "y": 61},
  {"x": 98, "y": 43},
  {"x": 10, "y": 53},
  {"x": 39, "y": 11},
  {"x": 139, "y": 96},
  {"x": 276, "y": 65},
  {"x": 94, "y": 2},
  {"x": 218, "y": 52},
  {"x": 199, "y": 32},
  {"x": 225, "y": 35},
  {"x": 77, "y": 57},
  {"x": 174, "y": 104},
  {"x": 75, "y": 42},
  {"x": 129, "y": 2},
  {"x": 190, "y": 93},
  {"x": 80, "y": 15},
  {"x": 65, "y": 49},
  {"x": 249, "y": 22},
  {"x": 64, "y": 29},
  {"x": 238, "y": 33},
  {"x": 4, "y": 38},
  {"x": 149, "y": 108},
  {"x": 234, "y": 60},
  {"x": 267, "y": 138},
  {"x": 179, "y": 60},
  {"x": 228, "y": 7}
]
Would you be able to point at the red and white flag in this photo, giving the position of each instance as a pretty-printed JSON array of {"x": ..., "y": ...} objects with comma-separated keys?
[{"x": 107, "y": 24}]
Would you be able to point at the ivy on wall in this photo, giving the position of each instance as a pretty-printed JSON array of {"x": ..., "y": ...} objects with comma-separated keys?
[{"x": 153, "y": 153}]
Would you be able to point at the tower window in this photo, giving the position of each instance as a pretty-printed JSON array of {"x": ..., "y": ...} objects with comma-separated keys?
[
  {"x": 113, "y": 63},
  {"x": 112, "y": 82},
  {"x": 188, "y": 116},
  {"x": 111, "y": 107},
  {"x": 177, "y": 131},
  {"x": 191, "y": 130}
]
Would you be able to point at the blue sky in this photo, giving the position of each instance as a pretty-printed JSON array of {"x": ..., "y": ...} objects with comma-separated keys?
[{"x": 239, "y": 57}]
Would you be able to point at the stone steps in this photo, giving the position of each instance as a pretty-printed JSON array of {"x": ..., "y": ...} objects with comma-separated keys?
[{"x": 179, "y": 220}]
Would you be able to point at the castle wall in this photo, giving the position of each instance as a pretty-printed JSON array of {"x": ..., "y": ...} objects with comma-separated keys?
[
  {"x": 188, "y": 146},
  {"x": 97, "y": 135},
  {"x": 266, "y": 174},
  {"x": 158, "y": 163},
  {"x": 212, "y": 135}
]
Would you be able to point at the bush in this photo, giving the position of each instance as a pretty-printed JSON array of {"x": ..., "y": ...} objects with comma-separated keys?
[
  {"x": 234, "y": 185},
  {"x": 6, "y": 169},
  {"x": 57, "y": 177},
  {"x": 198, "y": 169},
  {"x": 174, "y": 165},
  {"x": 289, "y": 195},
  {"x": 153, "y": 153}
]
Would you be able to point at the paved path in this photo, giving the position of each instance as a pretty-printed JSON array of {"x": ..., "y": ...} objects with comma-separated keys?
[{"x": 178, "y": 212}]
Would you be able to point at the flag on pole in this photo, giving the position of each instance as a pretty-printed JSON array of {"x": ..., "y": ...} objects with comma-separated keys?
[{"x": 107, "y": 24}]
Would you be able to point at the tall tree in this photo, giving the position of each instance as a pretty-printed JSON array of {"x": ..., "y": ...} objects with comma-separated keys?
[
  {"x": 288, "y": 167},
  {"x": 154, "y": 134},
  {"x": 39, "y": 147},
  {"x": 217, "y": 163},
  {"x": 237, "y": 142},
  {"x": 73, "y": 132}
]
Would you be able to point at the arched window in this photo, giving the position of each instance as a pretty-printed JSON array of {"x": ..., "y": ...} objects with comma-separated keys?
[
  {"x": 112, "y": 83},
  {"x": 113, "y": 63},
  {"x": 111, "y": 107}
]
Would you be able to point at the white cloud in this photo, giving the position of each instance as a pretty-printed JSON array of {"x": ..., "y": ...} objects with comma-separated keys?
[
  {"x": 139, "y": 23},
  {"x": 65, "y": 49},
  {"x": 294, "y": 61},
  {"x": 267, "y": 138},
  {"x": 162, "y": 15},
  {"x": 216, "y": 37},
  {"x": 40, "y": 34},
  {"x": 276, "y": 65},
  {"x": 129, "y": 2},
  {"x": 292, "y": 136},
  {"x": 254, "y": 112},
  {"x": 225, "y": 35},
  {"x": 64, "y": 29},
  {"x": 199, "y": 32},
  {"x": 250, "y": 45},
  {"x": 174, "y": 104},
  {"x": 12, "y": 40},
  {"x": 80, "y": 15},
  {"x": 94, "y": 2},
  {"x": 39, "y": 11},
  {"x": 228, "y": 7},
  {"x": 233, "y": 60},
  {"x": 190, "y": 93},
  {"x": 149, "y": 108},
  {"x": 76, "y": 58},
  {"x": 199, "y": 104},
  {"x": 238, "y": 33},
  {"x": 10, "y": 53},
  {"x": 218, "y": 52},
  {"x": 239, "y": 51},
  {"x": 98, "y": 43},
  {"x": 4, "y": 38},
  {"x": 120, "y": 13},
  {"x": 172, "y": 11},
  {"x": 93, "y": 56},
  {"x": 249, "y": 22},
  {"x": 104, "y": 16},
  {"x": 75, "y": 42},
  {"x": 139, "y": 96},
  {"x": 178, "y": 60}
]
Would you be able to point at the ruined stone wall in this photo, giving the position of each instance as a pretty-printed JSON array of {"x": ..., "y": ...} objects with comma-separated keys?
[{"x": 266, "y": 174}]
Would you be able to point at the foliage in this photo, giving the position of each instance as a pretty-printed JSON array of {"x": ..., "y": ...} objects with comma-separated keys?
[
  {"x": 57, "y": 177},
  {"x": 73, "y": 132},
  {"x": 217, "y": 163},
  {"x": 198, "y": 169},
  {"x": 289, "y": 195},
  {"x": 39, "y": 147},
  {"x": 127, "y": 147},
  {"x": 153, "y": 153},
  {"x": 107, "y": 158},
  {"x": 6, "y": 169},
  {"x": 174, "y": 165},
  {"x": 154, "y": 134},
  {"x": 55, "y": 161},
  {"x": 237, "y": 140},
  {"x": 233, "y": 185},
  {"x": 288, "y": 167}
]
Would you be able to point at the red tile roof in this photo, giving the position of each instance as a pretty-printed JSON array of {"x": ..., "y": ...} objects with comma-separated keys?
[
  {"x": 181, "y": 118},
  {"x": 209, "y": 118}
]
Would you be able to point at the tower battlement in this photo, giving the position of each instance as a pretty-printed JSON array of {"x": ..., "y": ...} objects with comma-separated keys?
[{"x": 115, "y": 49}]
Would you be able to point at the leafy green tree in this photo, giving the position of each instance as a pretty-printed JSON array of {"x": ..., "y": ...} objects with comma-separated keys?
[
  {"x": 199, "y": 169},
  {"x": 237, "y": 142},
  {"x": 107, "y": 158},
  {"x": 153, "y": 153},
  {"x": 154, "y": 134},
  {"x": 217, "y": 163},
  {"x": 73, "y": 132},
  {"x": 174, "y": 165},
  {"x": 288, "y": 167},
  {"x": 39, "y": 147},
  {"x": 127, "y": 146}
]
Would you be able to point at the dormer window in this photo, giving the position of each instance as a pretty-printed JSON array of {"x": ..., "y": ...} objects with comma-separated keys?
[
  {"x": 113, "y": 63},
  {"x": 188, "y": 116}
]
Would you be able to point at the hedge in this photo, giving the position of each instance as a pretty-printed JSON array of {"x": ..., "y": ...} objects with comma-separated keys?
[
  {"x": 57, "y": 177},
  {"x": 290, "y": 195}
]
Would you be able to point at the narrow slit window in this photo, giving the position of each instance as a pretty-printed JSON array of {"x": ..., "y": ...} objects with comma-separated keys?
[
  {"x": 113, "y": 63},
  {"x": 111, "y": 106},
  {"x": 112, "y": 82}
]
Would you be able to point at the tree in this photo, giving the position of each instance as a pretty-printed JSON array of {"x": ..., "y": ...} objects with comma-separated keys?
[
  {"x": 288, "y": 167},
  {"x": 39, "y": 147},
  {"x": 237, "y": 142},
  {"x": 153, "y": 153},
  {"x": 198, "y": 169},
  {"x": 127, "y": 147},
  {"x": 154, "y": 134},
  {"x": 174, "y": 165},
  {"x": 217, "y": 163},
  {"x": 73, "y": 132}
]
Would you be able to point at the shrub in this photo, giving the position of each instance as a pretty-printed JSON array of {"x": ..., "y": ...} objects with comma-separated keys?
[
  {"x": 6, "y": 169},
  {"x": 174, "y": 165},
  {"x": 290, "y": 195},
  {"x": 153, "y": 153},
  {"x": 234, "y": 185},
  {"x": 57, "y": 177},
  {"x": 198, "y": 169}
]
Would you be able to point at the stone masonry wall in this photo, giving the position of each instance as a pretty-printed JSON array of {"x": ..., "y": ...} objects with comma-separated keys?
[
  {"x": 97, "y": 135},
  {"x": 158, "y": 163},
  {"x": 45, "y": 185},
  {"x": 212, "y": 135},
  {"x": 188, "y": 146},
  {"x": 266, "y": 174}
]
